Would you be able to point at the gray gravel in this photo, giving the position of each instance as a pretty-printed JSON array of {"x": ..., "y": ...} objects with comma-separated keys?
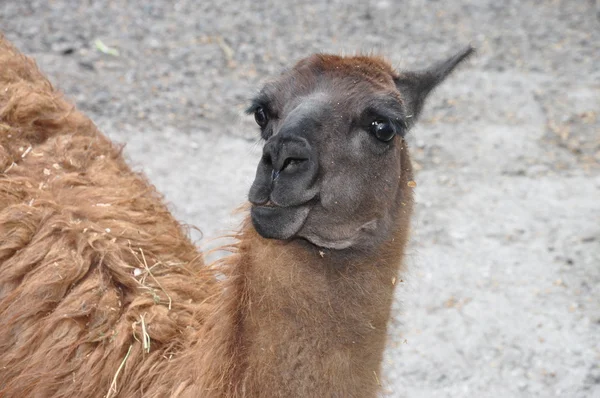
[{"x": 503, "y": 294}]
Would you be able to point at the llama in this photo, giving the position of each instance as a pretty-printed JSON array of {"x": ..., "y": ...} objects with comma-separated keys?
[{"x": 102, "y": 294}]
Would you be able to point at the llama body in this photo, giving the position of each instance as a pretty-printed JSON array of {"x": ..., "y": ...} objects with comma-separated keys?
[
  {"x": 75, "y": 222},
  {"x": 103, "y": 294}
]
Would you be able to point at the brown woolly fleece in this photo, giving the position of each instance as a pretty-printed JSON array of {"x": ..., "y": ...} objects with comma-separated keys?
[
  {"x": 91, "y": 260},
  {"x": 102, "y": 293}
]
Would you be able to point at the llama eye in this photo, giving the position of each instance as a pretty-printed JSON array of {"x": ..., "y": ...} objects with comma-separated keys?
[
  {"x": 261, "y": 117},
  {"x": 382, "y": 130}
]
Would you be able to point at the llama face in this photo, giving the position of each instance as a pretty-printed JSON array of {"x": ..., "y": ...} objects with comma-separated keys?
[{"x": 334, "y": 132}]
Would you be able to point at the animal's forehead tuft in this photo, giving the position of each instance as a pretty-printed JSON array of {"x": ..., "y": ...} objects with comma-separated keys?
[
  {"x": 352, "y": 79},
  {"x": 363, "y": 66}
]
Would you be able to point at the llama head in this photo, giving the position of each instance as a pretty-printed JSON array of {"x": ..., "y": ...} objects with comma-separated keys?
[{"x": 334, "y": 131}]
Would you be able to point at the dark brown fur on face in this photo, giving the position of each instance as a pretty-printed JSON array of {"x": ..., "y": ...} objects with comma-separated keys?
[{"x": 103, "y": 294}]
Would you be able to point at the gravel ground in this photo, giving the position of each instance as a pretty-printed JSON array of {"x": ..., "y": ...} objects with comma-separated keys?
[{"x": 503, "y": 294}]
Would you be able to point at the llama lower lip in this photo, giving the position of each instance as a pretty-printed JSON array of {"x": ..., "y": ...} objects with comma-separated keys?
[{"x": 278, "y": 222}]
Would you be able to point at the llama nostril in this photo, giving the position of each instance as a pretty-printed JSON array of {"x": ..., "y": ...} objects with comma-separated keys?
[{"x": 290, "y": 164}]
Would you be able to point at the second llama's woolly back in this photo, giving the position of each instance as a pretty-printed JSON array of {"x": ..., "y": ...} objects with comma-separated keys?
[{"x": 103, "y": 294}]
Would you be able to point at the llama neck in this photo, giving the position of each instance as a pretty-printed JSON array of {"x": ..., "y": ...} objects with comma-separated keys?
[{"x": 313, "y": 321}]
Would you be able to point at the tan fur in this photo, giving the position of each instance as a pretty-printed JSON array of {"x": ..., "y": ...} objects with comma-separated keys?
[{"x": 91, "y": 260}]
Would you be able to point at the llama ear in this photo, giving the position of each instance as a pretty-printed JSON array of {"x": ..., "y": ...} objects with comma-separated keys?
[{"x": 415, "y": 86}]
